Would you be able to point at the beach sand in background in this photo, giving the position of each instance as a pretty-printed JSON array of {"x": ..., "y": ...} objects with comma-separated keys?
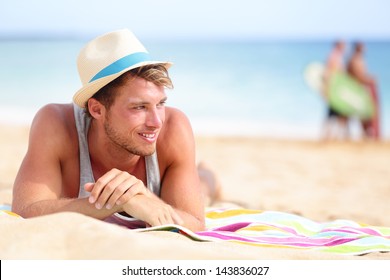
[{"x": 318, "y": 180}]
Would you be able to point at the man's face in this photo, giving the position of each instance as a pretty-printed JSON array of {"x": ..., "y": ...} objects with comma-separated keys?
[{"x": 135, "y": 119}]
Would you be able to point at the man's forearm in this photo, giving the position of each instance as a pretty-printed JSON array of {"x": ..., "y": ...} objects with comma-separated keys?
[{"x": 79, "y": 205}]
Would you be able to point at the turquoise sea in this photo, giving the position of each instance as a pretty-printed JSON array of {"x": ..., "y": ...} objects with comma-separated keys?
[{"x": 225, "y": 87}]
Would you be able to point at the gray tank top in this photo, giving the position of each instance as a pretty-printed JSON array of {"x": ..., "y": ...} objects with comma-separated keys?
[{"x": 86, "y": 174}]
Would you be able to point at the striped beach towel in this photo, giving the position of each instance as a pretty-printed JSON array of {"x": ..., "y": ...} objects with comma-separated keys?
[
  {"x": 281, "y": 230},
  {"x": 284, "y": 230}
]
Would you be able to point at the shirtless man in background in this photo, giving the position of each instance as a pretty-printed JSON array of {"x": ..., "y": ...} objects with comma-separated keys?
[{"x": 357, "y": 69}]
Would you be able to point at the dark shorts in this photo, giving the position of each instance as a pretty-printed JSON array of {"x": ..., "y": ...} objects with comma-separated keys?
[{"x": 333, "y": 113}]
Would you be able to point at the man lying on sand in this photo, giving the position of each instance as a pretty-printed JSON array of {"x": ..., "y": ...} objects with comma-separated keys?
[{"x": 118, "y": 153}]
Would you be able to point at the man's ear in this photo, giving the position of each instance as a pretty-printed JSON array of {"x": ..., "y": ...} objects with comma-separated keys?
[{"x": 95, "y": 108}]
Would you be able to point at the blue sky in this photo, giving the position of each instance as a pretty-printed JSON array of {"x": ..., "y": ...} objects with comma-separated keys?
[{"x": 302, "y": 19}]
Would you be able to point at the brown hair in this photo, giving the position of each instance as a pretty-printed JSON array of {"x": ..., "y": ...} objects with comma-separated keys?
[{"x": 155, "y": 73}]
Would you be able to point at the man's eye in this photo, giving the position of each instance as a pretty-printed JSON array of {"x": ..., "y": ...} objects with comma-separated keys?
[{"x": 161, "y": 104}]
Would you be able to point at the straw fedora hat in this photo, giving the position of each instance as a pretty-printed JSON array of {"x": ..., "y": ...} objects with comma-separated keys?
[{"x": 107, "y": 57}]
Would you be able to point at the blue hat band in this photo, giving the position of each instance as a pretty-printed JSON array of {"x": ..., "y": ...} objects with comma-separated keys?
[{"x": 121, "y": 64}]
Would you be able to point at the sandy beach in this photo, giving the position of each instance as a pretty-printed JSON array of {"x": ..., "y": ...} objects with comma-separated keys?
[{"x": 317, "y": 180}]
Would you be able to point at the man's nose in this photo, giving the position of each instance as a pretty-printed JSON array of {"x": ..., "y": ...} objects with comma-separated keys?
[{"x": 154, "y": 118}]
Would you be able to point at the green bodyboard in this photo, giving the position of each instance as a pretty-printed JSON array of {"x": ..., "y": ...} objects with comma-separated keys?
[{"x": 349, "y": 98}]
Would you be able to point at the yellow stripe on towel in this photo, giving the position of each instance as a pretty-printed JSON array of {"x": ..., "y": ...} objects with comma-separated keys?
[
  {"x": 10, "y": 213},
  {"x": 259, "y": 228},
  {"x": 230, "y": 213}
]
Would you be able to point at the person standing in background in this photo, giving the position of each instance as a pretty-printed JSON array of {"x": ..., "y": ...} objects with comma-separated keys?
[
  {"x": 357, "y": 69},
  {"x": 334, "y": 120}
]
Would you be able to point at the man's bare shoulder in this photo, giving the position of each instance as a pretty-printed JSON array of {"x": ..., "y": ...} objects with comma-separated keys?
[
  {"x": 174, "y": 119},
  {"x": 176, "y": 122},
  {"x": 60, "y": 115},
  {"x": 55, "y": 111},
  {"x": 54, "y": 123},
  {"x": 176, "y": 137}
]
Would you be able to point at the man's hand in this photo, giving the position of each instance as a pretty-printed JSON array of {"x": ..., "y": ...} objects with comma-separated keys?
[
  {"x": 116, "y": 187},
  {"x": 152, "y": 210},
  {"x": 122, "y": 189}
]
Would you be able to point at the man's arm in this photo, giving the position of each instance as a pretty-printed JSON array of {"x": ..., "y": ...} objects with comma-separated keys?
[
  {"x": 39, "y": 187},
  {"x": 180, "y": 185}
]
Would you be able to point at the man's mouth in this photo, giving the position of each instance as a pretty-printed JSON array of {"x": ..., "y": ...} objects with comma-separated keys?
[{"x": 151, "y": 137}]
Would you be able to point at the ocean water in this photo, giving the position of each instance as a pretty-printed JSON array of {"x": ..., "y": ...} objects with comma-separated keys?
[{"x": 225, "y": 88}]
